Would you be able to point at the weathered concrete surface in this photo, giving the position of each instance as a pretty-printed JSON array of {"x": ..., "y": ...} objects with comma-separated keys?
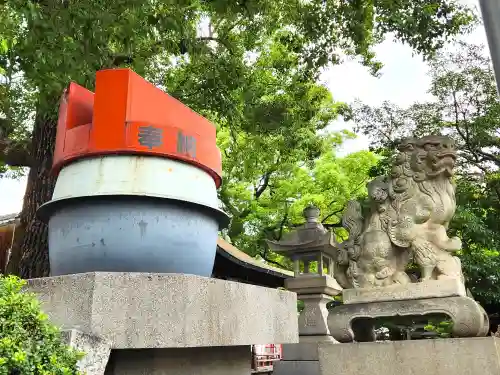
[
  {"x": 139, "y": 310},
  {"x": 396, "y": 292},
  {"x": 96, "y": 351},
  {"x": 472, "y": 356},
  {"x": 301, "y": 358},
  {"x": 234, "y": 360},
  {"x": 303, "y": 351},
  {"x": 296, "y": 368}
]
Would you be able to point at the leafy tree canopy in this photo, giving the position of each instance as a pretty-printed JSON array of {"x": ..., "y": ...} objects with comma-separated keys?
[
  {"x": 46, "y": 44},
  {"x": 248, "y": 65},
  {"x": 265, "y": 194}
]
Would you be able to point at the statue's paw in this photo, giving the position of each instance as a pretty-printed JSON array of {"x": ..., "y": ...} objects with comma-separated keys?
[
  {"x": 455, "y": 244},
  {"x": 424, "y": 278},
  {"x": 384, "y": 273}
]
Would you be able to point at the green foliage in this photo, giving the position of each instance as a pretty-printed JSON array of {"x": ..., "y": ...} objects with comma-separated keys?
[
  {"x": 442, "y": 329},
  {"x": 465, "y": 107},
  {"x": 45, "y": 45},
  {"x": 265, "y": 192},
  {"x": 29, "y": 344},
  {"x": 277, "y": 153},
  {"x": 249, "y": 66}
]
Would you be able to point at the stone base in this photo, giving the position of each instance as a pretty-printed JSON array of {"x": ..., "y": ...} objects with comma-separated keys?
[
  {"x": 469, "y": 356},
  {"x": 235, "y": 360},
  {"x": 355, "y": 322},
  {"x": 316, "y": 339},
  {"x": 165, "y": 324},
  {"x": 296, "y": 368},
  {"x": 301, "y": 358},
  {"x": 303, "y": 351},
  {"x": 398, "y": 292},
  {"x": 140, "y": 310}
]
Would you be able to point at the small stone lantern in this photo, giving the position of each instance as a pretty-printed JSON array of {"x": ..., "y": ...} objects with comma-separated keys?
[{"x": 311, "y": 246}]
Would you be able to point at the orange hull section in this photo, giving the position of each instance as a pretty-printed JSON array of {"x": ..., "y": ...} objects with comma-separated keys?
[{"x": 128, "y": 115}]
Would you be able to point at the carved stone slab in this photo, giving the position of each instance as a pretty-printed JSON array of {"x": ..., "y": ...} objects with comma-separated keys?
[
  {"x": 398, "y": 292},
  {"x": 469, "y": 318},
  {"x": 471, "y": 356}
]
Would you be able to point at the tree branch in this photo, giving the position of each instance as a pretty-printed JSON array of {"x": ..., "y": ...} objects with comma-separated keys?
[
  {"x": 220, "y": 41},
  {"x": 15, "y": 154},
  {"x": 124, "y": 58},
  {"x": 263, "y": 184},
  {"x": 488, "y": 156},
  {"x": 332, "y": 214},
  {"x": 282, "y": 225},
  {"x": 264, "y": 256},
  {"x": 465, "y": 135},
  {"x": 336, "y": 225}
]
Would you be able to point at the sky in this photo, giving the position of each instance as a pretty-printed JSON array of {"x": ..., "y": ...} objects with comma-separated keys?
[{"x": 403, "y": 81}]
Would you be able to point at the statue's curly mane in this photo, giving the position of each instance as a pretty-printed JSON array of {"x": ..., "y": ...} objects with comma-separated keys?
[{"x": 411, "y": 173}]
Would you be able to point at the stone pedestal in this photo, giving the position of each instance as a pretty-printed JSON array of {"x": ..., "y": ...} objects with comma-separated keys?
[
  {"x": 168, "y": 323},
  {"x": 315, "y": 291},
  {"x": 354, "y": 321},
  {"x": 465, "y": 356}
]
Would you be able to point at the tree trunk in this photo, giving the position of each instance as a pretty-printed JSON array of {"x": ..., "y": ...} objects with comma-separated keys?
[
  {"x": 30, "y": 248},
  {"x": 15, "y": 250},
  {"x": 6, "y": 236}
]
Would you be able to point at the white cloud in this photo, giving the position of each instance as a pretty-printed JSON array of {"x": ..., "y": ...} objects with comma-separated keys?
[
  {"x": 11, "y": 195},
  {"x": 403, "y": 80}
]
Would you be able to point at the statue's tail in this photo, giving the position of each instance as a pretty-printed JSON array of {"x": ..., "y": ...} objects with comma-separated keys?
[
  {"x": 352, "y": 220},
  {"x": 423, "y": 252}
]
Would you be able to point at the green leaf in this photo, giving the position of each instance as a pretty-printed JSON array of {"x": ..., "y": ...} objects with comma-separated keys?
[{"x": 27, "y": 340}]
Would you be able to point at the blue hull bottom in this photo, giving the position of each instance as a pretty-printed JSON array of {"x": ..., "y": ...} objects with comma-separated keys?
[{"x": 113, "y": 235}]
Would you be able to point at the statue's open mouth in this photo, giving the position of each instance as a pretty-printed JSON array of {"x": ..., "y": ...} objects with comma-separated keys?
[
  {"x": 442, "y": 170},
  {"x": 447, "y": 154}
]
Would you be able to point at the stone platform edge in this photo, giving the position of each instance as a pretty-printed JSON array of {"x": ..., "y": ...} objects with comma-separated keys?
[
  {"x": 465, "y": 356},
  {"x": 141, "y": 310},
  {"x": 413, "y": 291}
]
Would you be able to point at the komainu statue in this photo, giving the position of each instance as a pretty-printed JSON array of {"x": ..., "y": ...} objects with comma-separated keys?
[{"x": 408, "y": 216}]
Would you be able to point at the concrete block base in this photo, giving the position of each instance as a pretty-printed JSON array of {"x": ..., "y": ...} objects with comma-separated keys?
[
  {"x": 304, "y": 351},
  {"x": 301, "y": 358},
  {"x": 464, "y": 356},
  {"x": 143, "y": 310},
  {"x": 166, "y": 324},
  {"x": 296, "y": 368},
  {"x": 234, "y": 360}
]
